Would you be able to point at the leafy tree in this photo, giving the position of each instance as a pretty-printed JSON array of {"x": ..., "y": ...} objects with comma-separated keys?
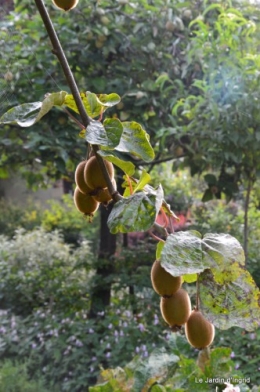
[{"x": 217, "y": 123}]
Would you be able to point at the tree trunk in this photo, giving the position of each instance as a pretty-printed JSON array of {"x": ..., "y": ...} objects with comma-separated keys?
[{"x": 100, "y": 296}]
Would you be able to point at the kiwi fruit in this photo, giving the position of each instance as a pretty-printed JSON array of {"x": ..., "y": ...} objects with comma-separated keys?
[
  {"x": 65, "y": 5},
  {"x": 199, "y": 332},
  {"x": 102, "y": 195},
  {"x": 93, "y": 175},
  {"x": 164, "y": 283},
  {"x": 176, "y": 309},
  {"x": 85, "y": 203},
  {"x": 79, "y": 178}
]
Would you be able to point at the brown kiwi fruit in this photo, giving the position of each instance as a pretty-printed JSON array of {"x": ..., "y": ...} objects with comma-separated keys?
[
  {"x": 199, "y": 331},
  {"x": 65, "y": 5},
  {"x": 93, "y": 175},
  {"x": 79, "y": 178},
  {"x": 164, "y": 283},
  {"x": 85, "y": 203},
  {"x": 176, "y": 309},
  {"x": 102, "y": 195}
]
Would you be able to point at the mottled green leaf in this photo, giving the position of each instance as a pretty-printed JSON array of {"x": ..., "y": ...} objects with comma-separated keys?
[
  {"x": 135, "y": 140},
  {"x": 126, "y": 166},
  {"x": 137, "y": 212},
  {"x": 106, "y": 135},
  {"x": 234, "y": 302},
  {"x": 183, "y": 254},
  {"x": 90, "y": 102},
  {"x": 224, "y": 249},
  {"x": 27, "y": 114},
  {"x": 146, "y": 372},
  {"x": 94, "y": 104}
]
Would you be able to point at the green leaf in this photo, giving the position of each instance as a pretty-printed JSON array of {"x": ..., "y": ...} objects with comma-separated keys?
[
  {"x": 126, "y": 166},
  {"x": 145, "y": 178},
  {"x": 158, "y": 388},
  {"x": 224, "y": 249},
  {"x": 137, "y": 212},
  {"x": 108, "y": 100},
  {"x": 114, "y": 130},
  {"x": 228, "y": 295},
  {"x": 190, "y": 278},
  {"x": 210, "y": 179},
  {"x": 183, "y": 254},
  {"x": 159, "y": 249},
  {"x": 27, "y": 114},
  {"x": 94, "y": 104},
  {"x": 153, "y": 369},
  {"x": 208, "y": 195},
  {"x": 234, "y": 302},
  {"x": 90, "y": 102},
  {"x": 106, "y": 135},
  {"x": 135, "y": 140}
]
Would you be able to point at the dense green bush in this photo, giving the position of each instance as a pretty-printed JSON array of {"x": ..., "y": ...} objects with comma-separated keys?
[
  {"x": 13, "y": 217},
  {"x": 245, "y": 350},
  {"x": 14, "y": 378},
  {"x": 37, "y": 269},
  {"x": 69, "y": 349},
  {"x": 62, "y": 215}
]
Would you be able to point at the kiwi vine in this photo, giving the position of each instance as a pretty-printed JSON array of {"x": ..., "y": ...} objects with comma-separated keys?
[{"x": 185, "y": 258}]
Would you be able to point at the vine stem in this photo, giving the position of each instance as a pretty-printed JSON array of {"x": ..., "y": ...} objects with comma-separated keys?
[
  {"x": 59, "y": 52},
  {"x": 246, "y": 207}
]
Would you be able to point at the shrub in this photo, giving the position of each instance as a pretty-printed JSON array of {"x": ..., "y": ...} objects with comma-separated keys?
[
  {"x": 62, "y": 215},
  {"x": 68, "y": 350},
  {"x": 13, "y": 217},
  {"x": 38, "y": 269},
  {"x": 14, "y": 378}
]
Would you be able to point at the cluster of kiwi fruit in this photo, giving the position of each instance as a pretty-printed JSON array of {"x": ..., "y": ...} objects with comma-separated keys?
[
  {"x": 91, "y": 188},
  {"x": 176, "y": 309}
]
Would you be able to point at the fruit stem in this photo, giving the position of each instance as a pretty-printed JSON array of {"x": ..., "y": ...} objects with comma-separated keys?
[
  {"x": 166, "y": 220},
  {"x": 155, "y": 236},
  {"x": 81, "y": 126},
  {"x": 197, "y": 293}
]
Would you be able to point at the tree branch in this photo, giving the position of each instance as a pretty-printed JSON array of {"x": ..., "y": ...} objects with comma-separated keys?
[{"x": 59, "y": 52}]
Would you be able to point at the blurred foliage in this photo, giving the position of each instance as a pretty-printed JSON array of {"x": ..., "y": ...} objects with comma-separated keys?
[
  {"x": 14, "y": 378},
  {"x": 60, "y": 215},
  {"x": 245, "y": 350},
  {"x": 169, "y": 370},
  {"x": 180, "y": 188},
  {"x": 63, "y": 216},
  {"x": 68, "y": 349},
  {"x": 38, "y": 269},
  {"x": 13, "y": 216}
]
